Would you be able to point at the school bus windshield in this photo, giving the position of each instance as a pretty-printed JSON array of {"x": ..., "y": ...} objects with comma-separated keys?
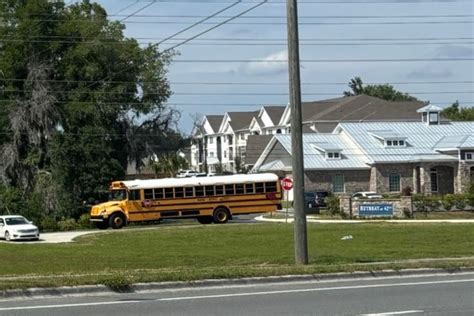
[{"x": 117, "y": 195}]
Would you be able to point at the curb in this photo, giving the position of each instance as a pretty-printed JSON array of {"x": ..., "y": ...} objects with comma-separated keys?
[{"x": 97, "y": 290}]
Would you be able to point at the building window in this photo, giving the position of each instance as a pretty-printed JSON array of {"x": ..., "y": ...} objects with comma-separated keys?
[
  {"x": 469, "y": 156},
  {"x": 278, "y": 131},
  {"x": 338, "y": 183},
  {"x": 225, "y": 154},
  {"x": 333, "y": 155},
  {"x": 434, "y": 180},
  {"x": 394, "y": 182},
  {"x": 211, "y": 154},
  {"x": 211, "y": 140},
  {"x": 395, "y": 143},
  {"x": 433, "y": 118}
]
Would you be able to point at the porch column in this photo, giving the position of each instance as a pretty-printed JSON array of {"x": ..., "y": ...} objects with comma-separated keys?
[{"x": 425, "y": 179}]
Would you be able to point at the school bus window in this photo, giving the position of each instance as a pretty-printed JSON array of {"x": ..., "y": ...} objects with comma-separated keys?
[
  {"x": 178, "y": 192},
  {"x": 259, "y": 187},
  {"x": 168, "y": 193},
  {"x": 188, "y": 192},
  {"x": 158, "y": 194},
  {"x": 199, "y": 191},
  {"x": 134, "y": 195},
  {"x": 239, "y": 188},
  {"x": 148, "y": 194},
  {"x": 249, "y": 188},
  {"x": 209, "y": 190},
  {"x": 229, "y": 189},
  {"x": 270, "y": 187},
  {"x": 219, "y": 189}
]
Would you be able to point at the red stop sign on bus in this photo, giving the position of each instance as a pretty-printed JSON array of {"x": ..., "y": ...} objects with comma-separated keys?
[{"x": 287, "y": 184}]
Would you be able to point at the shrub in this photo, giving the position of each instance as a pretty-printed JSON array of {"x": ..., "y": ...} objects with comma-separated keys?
[
  {"x": 48, "y": 224},
  {"x": 432, "y": 202},
  {"x": 84, "y": 221},
  {"x": 419, "y": 203},
  {"x": 448, "y": 201},
  {"x": 67, "y": 224},
  {"x": 333, "y": 205},
  {"x": 460, "y": 202}
]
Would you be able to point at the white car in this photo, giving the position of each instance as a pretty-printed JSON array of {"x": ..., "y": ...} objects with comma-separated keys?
[
  {"x": 187, "y": 173},
  {"x": 366, "y": 195},
  {"x": 16, "y": 227}
]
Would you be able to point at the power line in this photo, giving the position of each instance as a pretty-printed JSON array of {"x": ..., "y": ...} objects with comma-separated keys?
[
  {"x": 318, "y": 2},
  {"x": 216, "y": 26},
  {"x": 199, "y": 22},
  {"x": 95, "y": 42},
  {"x": 220, "y": 93},
  {"x": 251, "y": 83},
  {"x": 321, "y": 60},
  {"x": 137, "y": 11}
]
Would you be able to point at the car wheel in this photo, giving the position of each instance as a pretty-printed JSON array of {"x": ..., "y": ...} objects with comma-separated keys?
[
  {"x": 7, "y": 236},
  {"x": 221, "y": 215},
  {"x": 117, "y": 221},
  {"x": 205, "y": 219}
]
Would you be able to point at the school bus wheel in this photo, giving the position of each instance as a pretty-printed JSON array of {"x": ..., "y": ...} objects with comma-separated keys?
[
  {"x": 102, "y": 225},
  {"x": 221, "y": 215},
  {"x": 117, "y": 220}
]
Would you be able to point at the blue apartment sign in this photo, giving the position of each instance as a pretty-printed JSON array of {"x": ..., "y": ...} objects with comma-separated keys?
[{"x": 375, "y": 209}]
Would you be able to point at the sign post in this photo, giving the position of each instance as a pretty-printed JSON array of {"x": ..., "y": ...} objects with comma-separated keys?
[{"x": 287, "y": 185}]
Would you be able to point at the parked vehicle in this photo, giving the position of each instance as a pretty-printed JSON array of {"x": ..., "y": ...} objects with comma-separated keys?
[
  {"x": 310, "y": 199},
  {"x": 321, "y": 198},
  {"x": 16, "y": 227},
  {"x": 187, "y": 173},
  {"x": 366, "y": 195}
]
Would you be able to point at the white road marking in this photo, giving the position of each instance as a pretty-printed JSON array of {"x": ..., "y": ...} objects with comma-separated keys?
[
  {"x": 394, "y": 313},
  {"x": 236, "y": 295},
  {"x": 310, "y": 290}
]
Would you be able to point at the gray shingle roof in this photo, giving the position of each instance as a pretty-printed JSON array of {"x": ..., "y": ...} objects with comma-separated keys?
[
  {"x": 241, "y": 120},
  {"x": 215, "y": 121},
  {"x": 255, "y": 146},
  {"x": 361, "y": 108},
  {"x": 275, "y": 113}
]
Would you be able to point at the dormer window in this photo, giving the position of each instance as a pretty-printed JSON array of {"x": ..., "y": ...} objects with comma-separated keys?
[
  {"x": 333, "y": 155},
  {"x": 395, "y": 143},
  {"x": 469, "y": 156}
]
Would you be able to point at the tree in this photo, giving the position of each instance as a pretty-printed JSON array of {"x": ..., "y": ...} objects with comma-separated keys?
[
  {"x": 383, "y": 91},
  {"x": 457, "y": 113},
  {"x": 168, "y": 163},
  {"x": 79, "y": 99}
]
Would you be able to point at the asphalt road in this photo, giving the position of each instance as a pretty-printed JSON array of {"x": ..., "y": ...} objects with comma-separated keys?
[{"x": 415, "y": 295}]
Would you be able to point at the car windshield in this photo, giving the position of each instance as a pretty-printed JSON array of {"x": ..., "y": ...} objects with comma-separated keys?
[
  {"x": 16, "y": 221},
  {"x": 117, "y": 195}
]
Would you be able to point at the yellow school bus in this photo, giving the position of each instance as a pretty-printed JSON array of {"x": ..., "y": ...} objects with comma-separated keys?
[{"x": 208, "y": 199}]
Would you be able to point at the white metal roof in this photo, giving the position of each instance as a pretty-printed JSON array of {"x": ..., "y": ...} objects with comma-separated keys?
[
  {"x": 182, "y": 182},
  {"x": 420, "y": 143},
  {"x": 386, "y": 134},
  {"x": 351, "y": 156}
]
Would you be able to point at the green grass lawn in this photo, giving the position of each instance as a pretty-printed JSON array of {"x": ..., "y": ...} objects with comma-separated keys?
[{"x": 223, "y": 251}]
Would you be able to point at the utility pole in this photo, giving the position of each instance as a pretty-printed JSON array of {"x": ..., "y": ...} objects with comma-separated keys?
[{"x": 301, "y": 239}]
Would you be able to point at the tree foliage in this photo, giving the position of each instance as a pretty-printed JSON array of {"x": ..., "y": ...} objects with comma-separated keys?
[
  {"x": 382, "y": 91},
  {"x": 79, "y": 102},
  {"x": 457, "y": 113},
  {"x": 168, "y": 163}
]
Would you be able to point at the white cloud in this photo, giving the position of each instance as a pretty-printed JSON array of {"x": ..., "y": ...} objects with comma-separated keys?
[{"x": 268, "y": 65}]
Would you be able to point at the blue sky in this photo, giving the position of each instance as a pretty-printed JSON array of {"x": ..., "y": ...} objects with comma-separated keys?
[{"x": 325, "y": 30}]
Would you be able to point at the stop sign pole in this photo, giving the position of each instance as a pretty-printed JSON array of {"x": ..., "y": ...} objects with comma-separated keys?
[{"x": 287, "y": 185}]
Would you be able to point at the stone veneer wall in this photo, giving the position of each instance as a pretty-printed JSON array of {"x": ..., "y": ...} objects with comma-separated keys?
[
  {"x": 354, "y": 180},
  {"x": 351, "y": 206}
]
